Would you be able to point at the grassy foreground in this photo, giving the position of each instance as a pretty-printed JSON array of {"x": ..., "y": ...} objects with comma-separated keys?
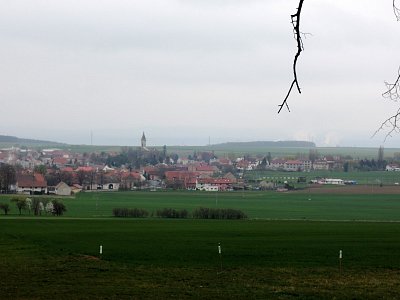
[{"x": 147, "y": 259}]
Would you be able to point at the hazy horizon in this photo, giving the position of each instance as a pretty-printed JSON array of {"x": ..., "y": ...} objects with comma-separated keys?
[
  {"x": 209, "y": 142},
  {"x": 185, "y": 72}
]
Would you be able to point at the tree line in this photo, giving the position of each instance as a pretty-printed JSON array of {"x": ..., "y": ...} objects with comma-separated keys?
[
  {"x": 8, "y": 177},
  {"x": 36, "y": 206},
  {"x": 171, "y": 213}
]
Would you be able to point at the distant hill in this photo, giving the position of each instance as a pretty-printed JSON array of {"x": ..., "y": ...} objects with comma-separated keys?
[
  {"x": 13, "y": 141},
  {"x": 266, "y": 144}
]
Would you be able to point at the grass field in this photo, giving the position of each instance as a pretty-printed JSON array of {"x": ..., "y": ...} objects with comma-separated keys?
[
  {"x": 307, "y": 205},
  {"x": 179, "y": 259},
  {"x": 157, "y": 258}
]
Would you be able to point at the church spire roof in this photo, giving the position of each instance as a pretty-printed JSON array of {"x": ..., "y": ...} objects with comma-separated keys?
[{"x": 143, "y": 141}]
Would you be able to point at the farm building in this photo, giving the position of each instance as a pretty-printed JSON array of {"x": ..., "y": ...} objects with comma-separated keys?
[
  {"x": 331, "y": 181},
  {"x": 62, "y": 189},
  {"x": 34, "y": 183}
]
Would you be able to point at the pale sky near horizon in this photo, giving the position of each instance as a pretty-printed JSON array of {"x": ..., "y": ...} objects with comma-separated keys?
[{"x": 189, "y": 71}]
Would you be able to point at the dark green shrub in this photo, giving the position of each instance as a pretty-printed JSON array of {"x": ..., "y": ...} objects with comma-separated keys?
[
  {"x": 5, "y": 207},
  {"x": 58, "y": 208},
  {"x": 218, "y": 213},
  {"x": 130, "y": 212},
  {"x": 172, "y": 213}
]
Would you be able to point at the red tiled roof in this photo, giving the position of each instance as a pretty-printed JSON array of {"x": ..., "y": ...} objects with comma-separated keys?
[
  {"x": 60, "y": 161},
  {"x": 243, "y": 163},
  {"x": 169, "y": 175},
  {"x": 205, "y": 168},
  {"x": 135, "y": 175},
  {"x": 294, "y": 162},
  {"x": 224, "y": 161},
  {"x": 278, "y": 161},
  {"x": 84, "y": 169},
  {"x": 149, "y": 169},
  {"x": 31, "y": 180}
]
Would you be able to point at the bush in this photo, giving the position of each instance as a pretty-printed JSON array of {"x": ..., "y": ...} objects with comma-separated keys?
[
  {"x": 5, "y": 207},
  {"x": 218, "y": 213},
  {"x": 38, "y": 205},
  {"x": 130, "y": 212},
  {"x": 172, "y": 213},
  {"x": 58, "y": 208},
  {"x": 20, "y": 202}
]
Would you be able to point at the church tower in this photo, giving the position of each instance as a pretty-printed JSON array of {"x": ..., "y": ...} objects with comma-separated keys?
[{"x": 143, "y": 141}]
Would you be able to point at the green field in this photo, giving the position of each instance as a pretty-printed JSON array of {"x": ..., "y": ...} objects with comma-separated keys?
[
  {"x": 257, "y": 205},
  {"x": 265, "y": 258},
  {"x": 146, "y": 259}
]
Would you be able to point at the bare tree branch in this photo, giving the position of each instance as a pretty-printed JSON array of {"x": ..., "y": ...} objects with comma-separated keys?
[
  {"x": 393, "y": 89},
  {"x": 297, "y": 35},
  {"x": 391, "y": 124},
  {"x": 392, "y": 93},
  {"x": 396, "y": 10}
]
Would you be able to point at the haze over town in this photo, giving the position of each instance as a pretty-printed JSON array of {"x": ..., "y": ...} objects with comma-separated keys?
[{"x": 194, "y": 72}]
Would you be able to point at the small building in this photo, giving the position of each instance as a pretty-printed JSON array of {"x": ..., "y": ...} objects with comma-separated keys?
[
  {"x": 76, "y": 188},
  {"x": 63, "y": 189},
  {"x": 31, "y": 184},
  {"x": 331, "y": 181},
  {"x": 206, "y": 187},
  {"x": 393, "y": 167}
]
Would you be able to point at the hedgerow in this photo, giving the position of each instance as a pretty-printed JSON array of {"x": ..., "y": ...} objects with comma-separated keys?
[
  {"x": 218, "y": 213},
  {"x": 199, "y": 213},
  {"x": 130, "y": 212},
  {"x": 172, "y": 213}
]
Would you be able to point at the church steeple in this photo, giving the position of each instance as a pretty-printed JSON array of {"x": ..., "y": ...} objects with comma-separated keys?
[{"x": 143, "y": 141}]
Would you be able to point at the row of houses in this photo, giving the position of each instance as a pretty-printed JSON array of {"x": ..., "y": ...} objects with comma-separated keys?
[
  {"x": 35, "y": 183},
  {"x": 193, "y": 180},
  {"x": 303, "y": 165}
]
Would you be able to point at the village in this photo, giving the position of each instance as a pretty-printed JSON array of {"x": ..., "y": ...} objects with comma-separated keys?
[{"x": 62, "y": 172}]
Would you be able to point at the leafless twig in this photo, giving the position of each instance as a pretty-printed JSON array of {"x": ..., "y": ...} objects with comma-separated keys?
[
  {"x": 392, "y": 93},
  {"x": 304, "y": 34},
  {"x": 391, "y": 124},
  {"x": 396, "y": 10},
  {"x": 393, "y": 89},
  {"x": 297, "y": 35}
]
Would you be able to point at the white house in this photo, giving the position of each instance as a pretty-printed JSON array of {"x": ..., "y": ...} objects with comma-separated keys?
[
  {"x": 206, "y": 187},
  {"x": 331, "y": 181},
  {"x": 63, "y": 189},
  {"x": 395, "y": 168}
]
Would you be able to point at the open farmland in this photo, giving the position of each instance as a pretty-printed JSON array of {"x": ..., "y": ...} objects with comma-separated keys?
[
  {"x": 159, "y": 258},
  {"x": 309, "y": 204},
  {"x": 147, "y": 259}
]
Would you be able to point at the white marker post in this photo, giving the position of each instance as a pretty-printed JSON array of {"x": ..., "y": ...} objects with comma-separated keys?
[
  {"x": 101, "y": 250},
  {"x": 340, "y": 261},
  {"x": 220, "y": 255}
]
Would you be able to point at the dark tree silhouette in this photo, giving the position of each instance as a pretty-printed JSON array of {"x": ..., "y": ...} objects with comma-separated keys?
[
  {"x": 392, "y": 124},
  {"x": 396, "y": 10},
  {"x": 393, "y": 94},
  {"x": 297, "y": 35}
]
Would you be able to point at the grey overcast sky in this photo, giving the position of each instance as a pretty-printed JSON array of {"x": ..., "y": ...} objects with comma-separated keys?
[{"x": 184, "y": 71}]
